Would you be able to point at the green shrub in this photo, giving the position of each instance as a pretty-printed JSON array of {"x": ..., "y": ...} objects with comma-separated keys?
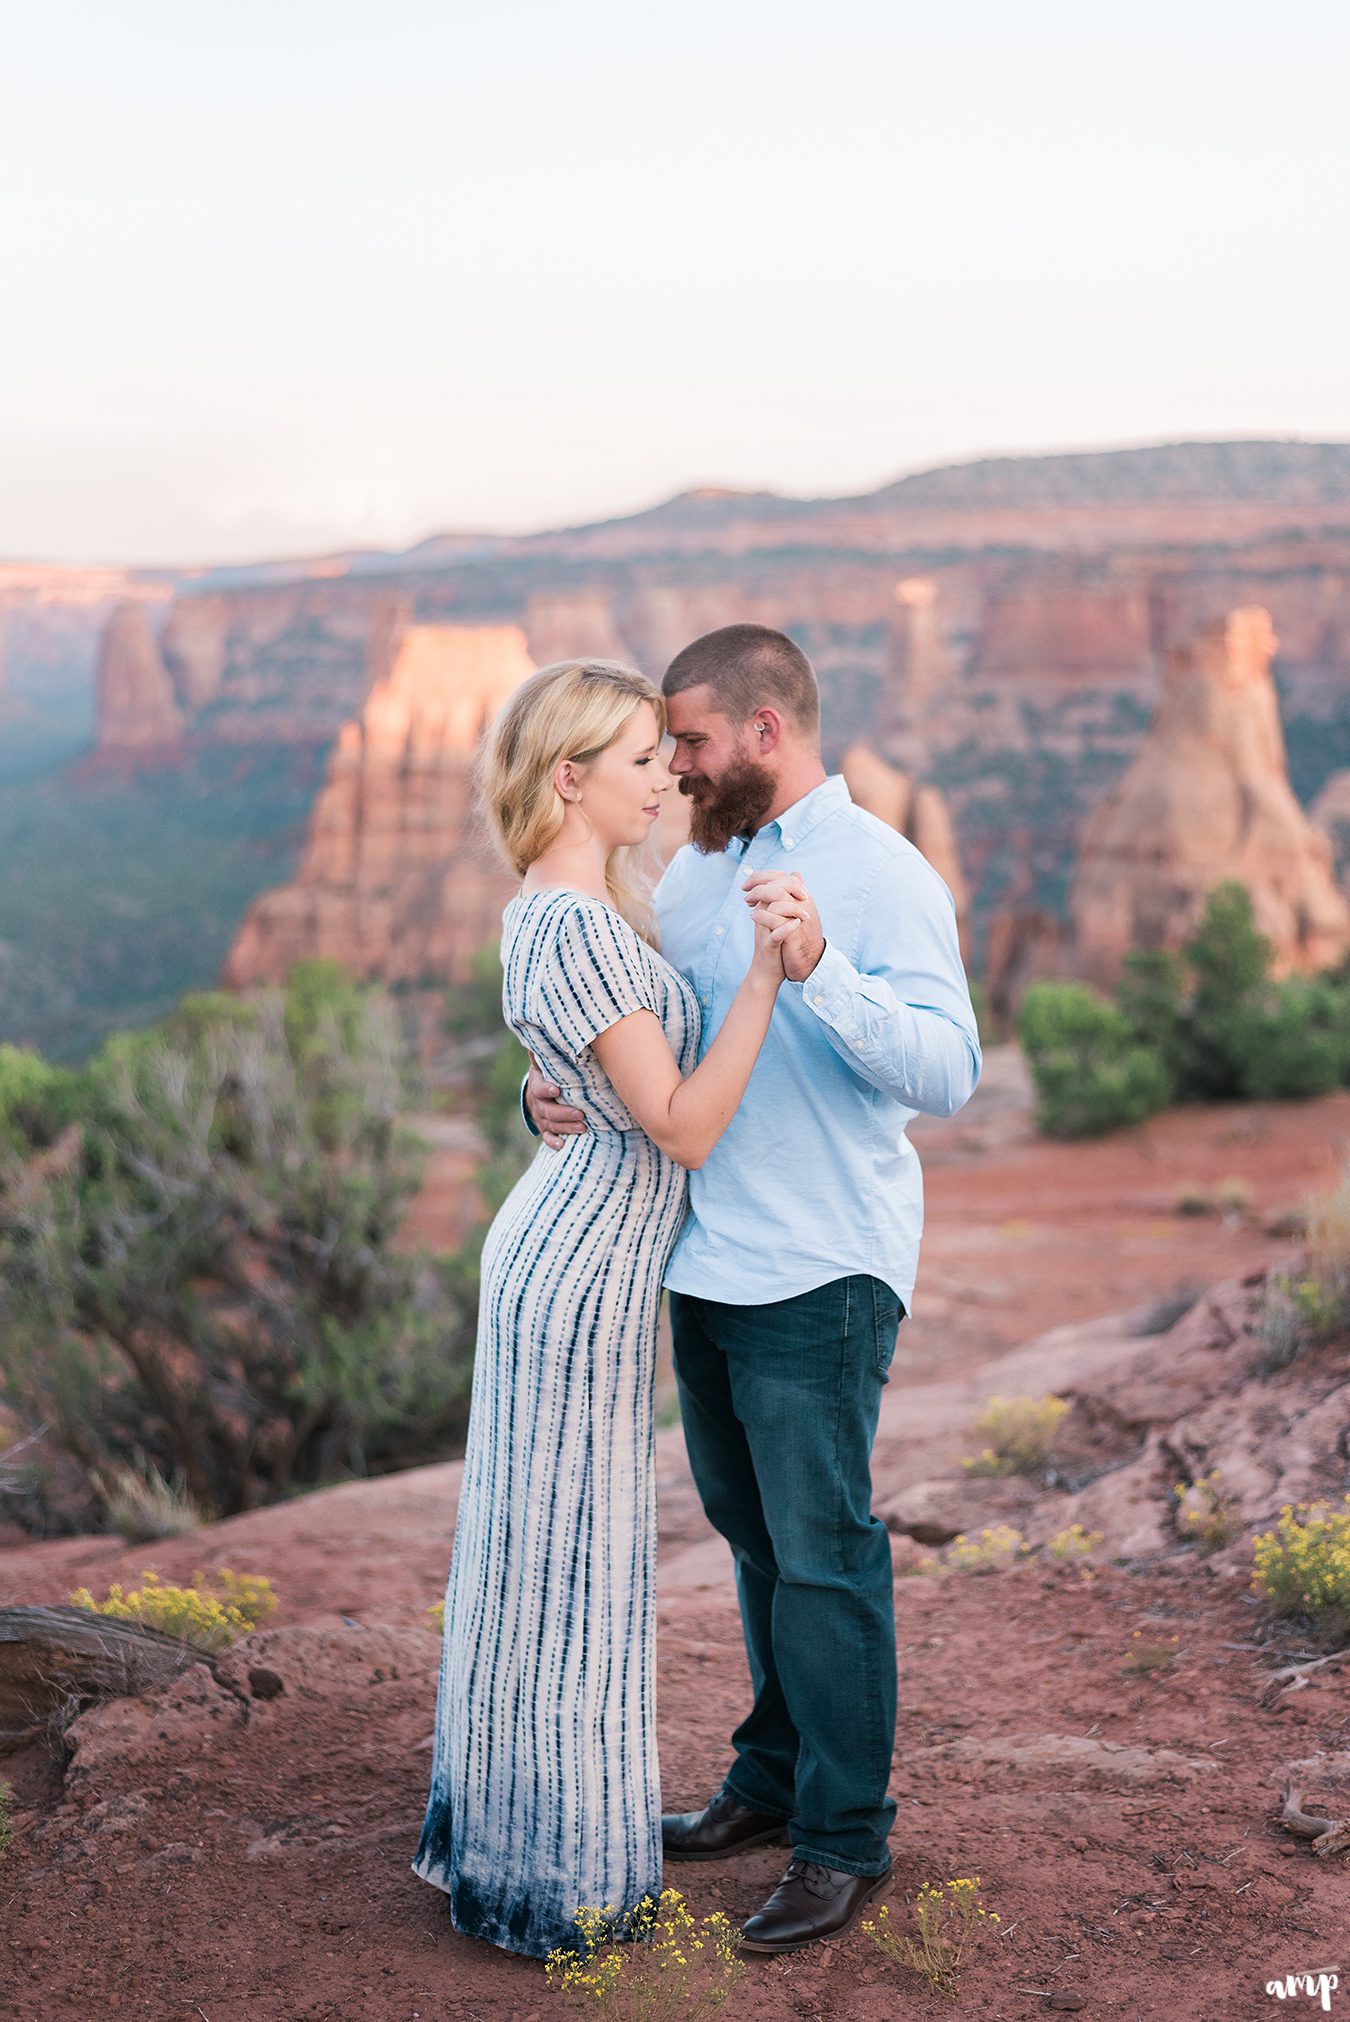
[
  {"x": 1149, "y": 999},
  {"x": 1206, "y": 1025},
  {"x": 209, "y": 1289},
  {"x": 1289, "y": 1041},
  {"x": 473, "y": 1010},
  {"x": 1225, "y": 961},
  {"x": 1091, "y": 1072},
  {"x": 37, "y": 1100}
]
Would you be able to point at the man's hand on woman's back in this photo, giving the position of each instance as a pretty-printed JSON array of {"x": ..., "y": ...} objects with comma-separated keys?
[{"x": 553, "y": 1120}]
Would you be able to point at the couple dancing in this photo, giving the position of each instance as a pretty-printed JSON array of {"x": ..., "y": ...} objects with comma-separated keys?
[{"x": 723, "y": 1077}]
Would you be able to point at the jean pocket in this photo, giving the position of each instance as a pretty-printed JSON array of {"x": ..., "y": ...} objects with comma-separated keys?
[{"x": 887, "y": 1313}]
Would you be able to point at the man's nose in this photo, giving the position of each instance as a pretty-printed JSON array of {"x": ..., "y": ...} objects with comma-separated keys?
[{"x": 679, "y": 763}]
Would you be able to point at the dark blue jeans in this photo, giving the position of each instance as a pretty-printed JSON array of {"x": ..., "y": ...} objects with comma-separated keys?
[{"x": 780, "y": 1408}]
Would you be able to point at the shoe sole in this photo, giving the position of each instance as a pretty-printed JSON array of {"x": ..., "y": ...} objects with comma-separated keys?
[
  {"x": 778, "y": 1837},
  {"x": 824, "y": 1937}
]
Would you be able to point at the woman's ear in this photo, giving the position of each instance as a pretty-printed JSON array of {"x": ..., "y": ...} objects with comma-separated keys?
[{"x": 566, "y": 780}]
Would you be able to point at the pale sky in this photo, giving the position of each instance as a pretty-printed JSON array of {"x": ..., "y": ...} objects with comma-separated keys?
[{"x": 281, "y": 276}]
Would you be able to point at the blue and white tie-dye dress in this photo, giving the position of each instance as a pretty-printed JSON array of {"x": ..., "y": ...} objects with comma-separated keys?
[{"x": 544, "y": 1791}]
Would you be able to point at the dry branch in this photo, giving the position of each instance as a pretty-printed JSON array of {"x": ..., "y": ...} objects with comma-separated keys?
[
  {"x": 1293, "y": 1677},
  {"x": 1328, "y": 1835},
  {"x": 56, "y": 1661}
]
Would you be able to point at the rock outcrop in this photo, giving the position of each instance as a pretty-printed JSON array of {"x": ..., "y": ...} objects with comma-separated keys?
[
  {"x": 918, "y": 664},
  {"x": 918, "y": 812},
  {"x": 1331, "y": 811},
  {"x": 1208, "y": 799},
  {"x": 193, "y": 645},
  {"x": 578, "y": 626},
  {"x": 137, "y": 709},
  {"x": 396, "y": 881}
]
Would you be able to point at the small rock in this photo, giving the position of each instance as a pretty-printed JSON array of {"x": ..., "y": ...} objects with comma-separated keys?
[
  {"x": 1066, "y": 1999},
  {"x": 265, "y": 1684}
]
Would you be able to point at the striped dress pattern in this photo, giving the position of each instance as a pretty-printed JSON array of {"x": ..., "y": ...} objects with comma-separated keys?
[{"x": 544, "y": 1789}]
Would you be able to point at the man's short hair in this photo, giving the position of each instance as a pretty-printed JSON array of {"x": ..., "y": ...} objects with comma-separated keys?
[{"x": 749, "y": 667}]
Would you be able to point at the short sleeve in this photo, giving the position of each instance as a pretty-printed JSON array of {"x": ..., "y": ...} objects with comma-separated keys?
[{"x": 593, "y": 976}]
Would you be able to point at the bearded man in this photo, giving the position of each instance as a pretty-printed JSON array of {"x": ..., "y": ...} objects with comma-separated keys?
[{"x": 797, "y": 1258}]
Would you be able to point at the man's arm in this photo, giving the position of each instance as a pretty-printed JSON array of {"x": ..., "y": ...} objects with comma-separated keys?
[{"x": 903, "y": 1017}]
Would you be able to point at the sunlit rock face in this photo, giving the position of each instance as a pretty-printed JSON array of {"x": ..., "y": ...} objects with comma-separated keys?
[
  {"x": 136, "y": 707},
  {"x": 1208, "y": 799},
  {"x": 398, "y": 881},
  {"x": 918, "y": 812}
]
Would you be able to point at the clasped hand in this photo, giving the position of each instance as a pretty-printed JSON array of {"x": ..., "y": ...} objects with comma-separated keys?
[
  {"x": 781, "y": 897},
  {"x": 785, "y": 913}
]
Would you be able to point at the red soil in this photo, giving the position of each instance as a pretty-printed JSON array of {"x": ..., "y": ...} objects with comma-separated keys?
[{"x": 211, "y": 1853}]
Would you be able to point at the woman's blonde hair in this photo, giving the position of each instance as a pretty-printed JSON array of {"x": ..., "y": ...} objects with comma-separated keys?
[{"x": 574, "y": 709}]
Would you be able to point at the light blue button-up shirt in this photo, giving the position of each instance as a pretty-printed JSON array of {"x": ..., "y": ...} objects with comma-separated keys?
[{"x": 814, "y": 1177}]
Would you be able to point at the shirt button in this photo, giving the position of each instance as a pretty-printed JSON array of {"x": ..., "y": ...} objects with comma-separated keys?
[
  {"x": 787, "y": 842},
  {"x": 817, "y": 999},
  {"x": 721, "y": 930}
]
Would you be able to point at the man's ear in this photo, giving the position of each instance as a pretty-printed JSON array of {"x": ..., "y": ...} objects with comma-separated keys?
[{"x": 766, "y": 729}]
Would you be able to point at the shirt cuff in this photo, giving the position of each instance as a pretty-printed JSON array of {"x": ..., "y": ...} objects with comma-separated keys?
[
  {"x": 530, "y": 1123},
  {"x": 829, "y": 988}
]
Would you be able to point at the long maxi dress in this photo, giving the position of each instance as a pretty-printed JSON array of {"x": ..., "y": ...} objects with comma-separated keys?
[{"x": 544, "y": 1790}]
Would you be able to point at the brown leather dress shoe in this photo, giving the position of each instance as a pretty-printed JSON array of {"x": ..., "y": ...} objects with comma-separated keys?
[
  {"x": 723, "y": 1827},
  {"x": 811, "y": 1902}
]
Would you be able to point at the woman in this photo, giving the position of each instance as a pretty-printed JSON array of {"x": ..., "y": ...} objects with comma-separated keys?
[{"x": 544, "y": 1796}]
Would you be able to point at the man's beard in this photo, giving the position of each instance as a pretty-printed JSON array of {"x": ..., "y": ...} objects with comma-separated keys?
[{"x": 733, "y": 805}]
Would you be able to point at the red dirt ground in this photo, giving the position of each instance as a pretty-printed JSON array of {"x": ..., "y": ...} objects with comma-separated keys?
[{"x": 214, "y": 1854}]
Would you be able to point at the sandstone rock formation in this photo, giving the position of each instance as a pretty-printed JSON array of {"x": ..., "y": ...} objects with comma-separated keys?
[
  {"x": 1208, "y": 799},
  {"x": 193, "y": 645},
  {"x": 574, "y": 626},
  {"x": 1331, "y": 811},
  {"x": 918, "y": 664},
  {"x": 396, "y": 882},
  {"x": 137, "y": 709},
  {"x": 918, "y": 812}
]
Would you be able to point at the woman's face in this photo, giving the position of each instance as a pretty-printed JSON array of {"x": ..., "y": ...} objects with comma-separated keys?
[{"x": 619, "y": 793}]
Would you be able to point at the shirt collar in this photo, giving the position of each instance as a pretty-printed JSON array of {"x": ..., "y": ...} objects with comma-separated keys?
[{"x": 797, "y": 821}]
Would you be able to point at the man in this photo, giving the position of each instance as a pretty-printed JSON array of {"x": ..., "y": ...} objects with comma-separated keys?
[{"x": 797, "y": 1259}]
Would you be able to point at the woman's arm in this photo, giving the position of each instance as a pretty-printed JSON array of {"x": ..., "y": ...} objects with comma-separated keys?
[{"x": 686, "y": 1116}]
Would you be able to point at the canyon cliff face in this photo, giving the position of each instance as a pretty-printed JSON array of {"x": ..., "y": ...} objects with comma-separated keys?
[
  {"x": 998, "y": 630},
  {"x": 918, "y": 812},
  {"x": 1208, "y": 799},
  {"x": 1331, "y": 811},
  {"x": 397, "y": 881},
  {"x": 574, "y": 627},
  {"x": 137, "y": 709}
]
